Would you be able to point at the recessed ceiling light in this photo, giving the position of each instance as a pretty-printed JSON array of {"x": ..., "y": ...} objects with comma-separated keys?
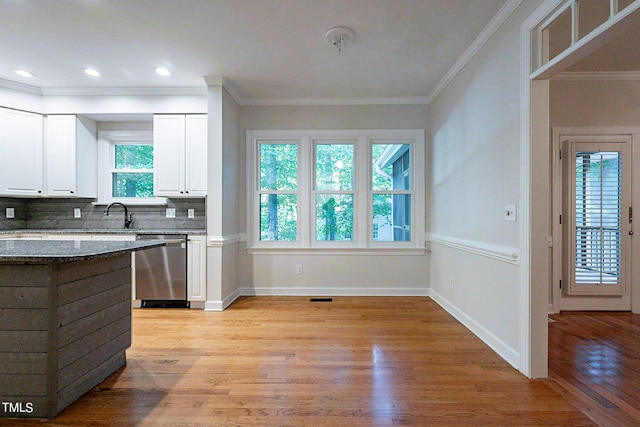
[
  {"x": 162, "y": 71},
  {"x": 24, "y": 73},
  {"x": 91, "y": 72}
]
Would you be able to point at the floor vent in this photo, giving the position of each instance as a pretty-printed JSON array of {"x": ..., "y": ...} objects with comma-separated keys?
[{"x": 320, "y": 299}]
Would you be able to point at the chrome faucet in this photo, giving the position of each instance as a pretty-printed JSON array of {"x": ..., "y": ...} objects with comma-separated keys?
[{"x": 128, "y": 218}]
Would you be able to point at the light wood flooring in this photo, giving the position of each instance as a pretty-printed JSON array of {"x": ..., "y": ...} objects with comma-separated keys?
[
  {"x": 594, "y": 360},
  {"x": 285, "y": 361}
]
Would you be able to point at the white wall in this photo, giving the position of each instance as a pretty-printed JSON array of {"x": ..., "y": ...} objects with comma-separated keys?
[
  {"x": 222, "y": 197},
  {"x": 595, "y": 103},
  {"x": 275, "y": 274},
  {"x": 230, "y": 196},
  {"x": 20, "y": 100},
  {"x": 102, "y": 105},
  {"x": 475, "y": 130}
]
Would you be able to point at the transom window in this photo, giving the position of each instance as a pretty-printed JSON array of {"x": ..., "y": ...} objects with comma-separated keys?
[{"x": 335, "y": 189}]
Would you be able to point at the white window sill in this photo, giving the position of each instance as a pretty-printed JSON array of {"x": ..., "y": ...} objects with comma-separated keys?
[
  {"x": 157, "y": 201},
  {"x": 324, "y": 251}
]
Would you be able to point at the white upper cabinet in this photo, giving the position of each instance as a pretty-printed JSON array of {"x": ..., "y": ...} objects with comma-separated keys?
[
  {"x": 21, "y": 153},
  {"x": 71, "y": 151},
  {"x": 180, "y": 155}
]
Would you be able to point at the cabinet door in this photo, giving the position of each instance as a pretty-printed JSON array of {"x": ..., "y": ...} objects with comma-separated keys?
[
  {"x": 196, "y": 155},
  {"x": 20, "y": 153},
  {"x": 169, "y": 155},
  {"x": 60, "y": 155},
  {"x": 196, "y": 269}
]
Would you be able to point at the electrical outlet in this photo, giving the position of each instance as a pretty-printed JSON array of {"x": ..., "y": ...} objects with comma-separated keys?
[
  {"x": 77, "y": 213},
  {"x": 10, "y": 213},
  {"x": 171, "y": 212},
  {"x": 191, "y": 213},
  {"x": 299, "y": 269},
  {"x": 451, "y": 282}
]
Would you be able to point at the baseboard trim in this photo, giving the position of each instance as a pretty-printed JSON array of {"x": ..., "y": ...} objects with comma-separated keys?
[
  {"x": 217, "y": 305},
  {"x": 329, "y": 291},
  {"x": 505, "y": 351}
]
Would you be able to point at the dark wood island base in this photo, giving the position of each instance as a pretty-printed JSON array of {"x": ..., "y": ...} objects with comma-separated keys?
[{"x": 64, "y": 328}]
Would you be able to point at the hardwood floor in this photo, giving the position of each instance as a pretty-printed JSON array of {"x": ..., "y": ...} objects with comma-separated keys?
[
  {"x": 594, "y": 360},
  {"x": 286, "y": 361}
]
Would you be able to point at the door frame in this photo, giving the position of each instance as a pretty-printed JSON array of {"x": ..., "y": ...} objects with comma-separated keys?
[{"x": 588, "y": 134}]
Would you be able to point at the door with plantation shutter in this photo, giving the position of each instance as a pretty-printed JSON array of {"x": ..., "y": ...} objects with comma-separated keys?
[{"x": 597, "y": 219}]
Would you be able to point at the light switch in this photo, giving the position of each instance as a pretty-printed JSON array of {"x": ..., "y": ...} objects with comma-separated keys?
[
  {"x": 171, "y": 212},
  {"x": 191, "y": 213},
  {"x": 509, "y": 212},
  {"x": 10, "y": 213},
  {"x": 77, "y": 213}
]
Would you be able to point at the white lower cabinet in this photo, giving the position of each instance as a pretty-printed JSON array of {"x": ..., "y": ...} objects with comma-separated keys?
[{"x": 197, "y": 269}]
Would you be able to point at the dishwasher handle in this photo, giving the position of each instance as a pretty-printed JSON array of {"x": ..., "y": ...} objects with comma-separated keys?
[{"x": 172, "y": 241}]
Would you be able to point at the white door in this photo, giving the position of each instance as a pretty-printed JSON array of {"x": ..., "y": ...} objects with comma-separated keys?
[{"x": 595, "y": 222}]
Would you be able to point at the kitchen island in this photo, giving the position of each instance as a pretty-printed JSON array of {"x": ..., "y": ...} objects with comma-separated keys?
[{"x": 65, "y": 320}]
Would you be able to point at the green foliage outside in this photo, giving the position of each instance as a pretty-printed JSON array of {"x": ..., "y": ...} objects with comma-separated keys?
[
  {"x": 278, "y": 212},
  {"x": 334, "y": 172},
  {"x": 129, "y": 157},
  {"x": 334, "y": 185}
]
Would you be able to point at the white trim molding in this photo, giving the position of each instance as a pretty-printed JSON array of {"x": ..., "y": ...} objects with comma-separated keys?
[
  {"x": 21, "y": 87},
  {"x": 220, "y": 305},
  {"x": 501, "y": 253},
  {"x": 222, "y": 241},
  {"x": 408, "y": 100},
  {"x": 503, "y": 14},
  {"x": 347, "y": 291},
  {"x": 123, "y": 91},
  {"x": 591, "y": 76},
  {"x": 505, "y": 351}
]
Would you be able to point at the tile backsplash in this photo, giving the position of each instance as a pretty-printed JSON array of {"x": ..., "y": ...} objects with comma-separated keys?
[{"x": 56, "y": 213}]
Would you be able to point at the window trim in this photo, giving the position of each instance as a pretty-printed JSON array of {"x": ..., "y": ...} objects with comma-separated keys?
[
  {"x": 107, "y": 140},
  {"x": 363, "y": 229}
]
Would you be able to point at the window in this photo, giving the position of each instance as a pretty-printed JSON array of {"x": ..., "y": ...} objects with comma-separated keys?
[
  {"x": 125, "y": 171},
  {"x": 132, "y": 170},
  {"x": 278, "y": 191},
  {"x": 335, "y": 189},
  {"x": 391, "y": 185}
]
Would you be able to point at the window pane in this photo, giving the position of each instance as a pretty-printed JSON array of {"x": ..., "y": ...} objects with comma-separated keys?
[
  {"x": 334, "y": 217},
  {"x": 392, "y": 217},
  {"x": 130, "y": 156},
  {"x": 391, "y": 166},
  {"x": 278, "y": 217},
  {"x": 334, "y": 167},
  {"x": 278, "y": 166},
  {"x": 132, "y": 184}
]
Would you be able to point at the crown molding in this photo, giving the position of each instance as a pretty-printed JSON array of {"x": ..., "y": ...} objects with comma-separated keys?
[
  {"x": 590, "y": 76},
  {"x": 412, "y": 100},
  {"x": 8, "y": 84},
  {"x": 503, "y": 14},
  {"x": 123, "y": 91}
]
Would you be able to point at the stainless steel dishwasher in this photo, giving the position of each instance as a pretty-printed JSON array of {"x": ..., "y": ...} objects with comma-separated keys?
[{"x": 161, "y": 273}]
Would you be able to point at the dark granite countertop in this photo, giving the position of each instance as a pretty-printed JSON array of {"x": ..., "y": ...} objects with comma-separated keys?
[
  {"x": 18, "y": 250},
  {"x": 102, "y": 231}
]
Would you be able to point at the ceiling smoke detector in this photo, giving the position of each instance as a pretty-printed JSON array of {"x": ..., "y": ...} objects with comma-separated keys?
[{"x": 339, "y": 37}]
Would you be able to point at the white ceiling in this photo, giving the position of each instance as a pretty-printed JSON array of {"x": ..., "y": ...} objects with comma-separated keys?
[{"x": 265, "y": 48}]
